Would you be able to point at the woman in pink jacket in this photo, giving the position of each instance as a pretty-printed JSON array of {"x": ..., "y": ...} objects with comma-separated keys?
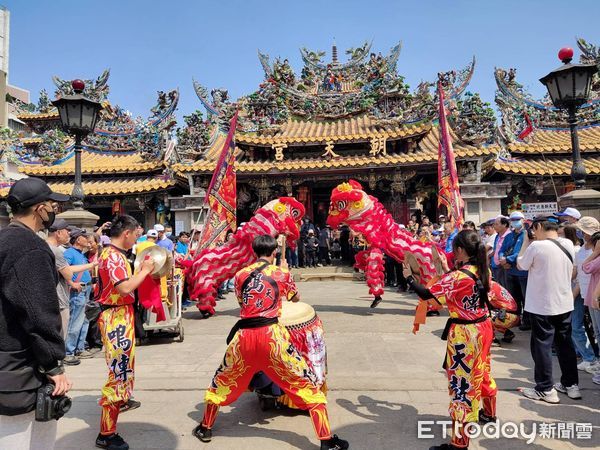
[{"x": 592, "y": 266}]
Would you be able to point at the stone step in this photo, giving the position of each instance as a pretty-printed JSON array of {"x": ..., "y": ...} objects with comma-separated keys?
[{"x": 325, "y": 276}]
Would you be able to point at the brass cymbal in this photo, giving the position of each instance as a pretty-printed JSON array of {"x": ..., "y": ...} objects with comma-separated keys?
[{"x": 163, "y": 260}]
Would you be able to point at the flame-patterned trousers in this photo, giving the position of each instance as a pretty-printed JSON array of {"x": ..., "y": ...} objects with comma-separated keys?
[
  {"x": 470, "y": 383},
  {"x": 267, "y": 349},
  {"x": 118, "y": 338}
]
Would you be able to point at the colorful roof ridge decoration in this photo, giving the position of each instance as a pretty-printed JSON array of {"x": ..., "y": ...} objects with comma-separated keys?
[
  {"x": 94, "y": 162},
  {"x": 116, "y": 130},
  {"x": 515, "y": 103},
  {"x": 361, "y": 100}
]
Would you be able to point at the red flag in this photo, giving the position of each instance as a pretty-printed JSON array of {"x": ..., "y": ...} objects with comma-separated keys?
[
  {"x": 528, "y": 129},
  {"x": 449, "y": 189},
  {"x": 221, "y": 194}
]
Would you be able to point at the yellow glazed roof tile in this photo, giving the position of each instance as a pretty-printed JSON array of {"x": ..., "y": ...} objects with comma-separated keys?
[
  {"x": 92, "y": 163},
  {"x": 541, "y": 167},
  {"x": 558, "y": 141}
]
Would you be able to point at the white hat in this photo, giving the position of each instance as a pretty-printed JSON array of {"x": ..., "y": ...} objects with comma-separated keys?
[
  {"x": 152, "y": 233},
  {"x": 159, "y": 227},
  {"x": 571, "y": 212},
  {"x": 516, "y": 215},
  {"x": 589, "y": 225}
]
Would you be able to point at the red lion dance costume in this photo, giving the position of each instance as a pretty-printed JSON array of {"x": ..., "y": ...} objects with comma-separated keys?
[
  {"x": 212, "y": 266},
  {"x": 363, "y": 213}
]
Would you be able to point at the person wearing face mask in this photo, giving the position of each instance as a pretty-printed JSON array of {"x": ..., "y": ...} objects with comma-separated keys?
[
  {"x": 58, "y": 236},
  {"x": 81, "y": 289},
  {"x": 31, "y": 345},
  {"x": 516, "y": 279}
]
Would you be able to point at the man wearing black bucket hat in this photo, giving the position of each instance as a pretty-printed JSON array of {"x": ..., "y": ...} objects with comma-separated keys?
[{"x": 31, "y": 344}]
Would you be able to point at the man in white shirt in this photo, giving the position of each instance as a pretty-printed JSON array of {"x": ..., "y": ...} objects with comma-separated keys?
[{"x": 549, "y": 301}]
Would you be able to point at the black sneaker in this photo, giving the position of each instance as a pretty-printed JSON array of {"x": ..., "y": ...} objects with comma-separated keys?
[
  {"x": 508, "y": 336},
  {"x": 376, "y": 302},
  {"x": 335, "y": 443},
  {"x": 131, "y": 404},
  {"x": 111, "y": 442},
  {"x": 432, "y": 313},
  {"x": 202, "y": 433},
  {"x": 484, "y": 418}
]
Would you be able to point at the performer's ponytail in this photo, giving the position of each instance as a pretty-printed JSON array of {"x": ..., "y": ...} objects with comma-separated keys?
[{"x": 471, "y": 243}]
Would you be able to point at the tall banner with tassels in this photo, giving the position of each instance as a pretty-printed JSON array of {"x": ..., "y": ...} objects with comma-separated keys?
[
  {"x": 448, "y": 187},
  {"x": 221, "y": 195}
]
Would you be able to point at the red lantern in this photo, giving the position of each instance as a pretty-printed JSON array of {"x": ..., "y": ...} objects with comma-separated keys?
[{"x": 565, "y": 54}]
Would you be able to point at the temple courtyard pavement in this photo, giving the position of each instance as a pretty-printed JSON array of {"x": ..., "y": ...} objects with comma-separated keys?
[{"x": 382, "y": 381}]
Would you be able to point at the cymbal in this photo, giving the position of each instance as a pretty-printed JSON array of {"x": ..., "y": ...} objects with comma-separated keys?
[{"x": 163, "y": 260}]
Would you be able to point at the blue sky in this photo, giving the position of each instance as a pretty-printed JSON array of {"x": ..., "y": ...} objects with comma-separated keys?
[{"x": 160, "y": 45}]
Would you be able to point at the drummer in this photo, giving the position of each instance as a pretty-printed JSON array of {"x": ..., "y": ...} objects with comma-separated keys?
[{"x": 258, "y": 342}]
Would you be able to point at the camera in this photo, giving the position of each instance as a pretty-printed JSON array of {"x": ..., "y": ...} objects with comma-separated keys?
[{"x": 48, "y": 407}]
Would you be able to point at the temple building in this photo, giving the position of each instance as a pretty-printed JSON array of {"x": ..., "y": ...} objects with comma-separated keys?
[
  {"x": 303, "y": 133},
  {"x": 124, "y": 166}
]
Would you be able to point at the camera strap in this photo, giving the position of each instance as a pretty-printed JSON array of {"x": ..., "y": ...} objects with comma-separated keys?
[{"x": 564, "y": 250}]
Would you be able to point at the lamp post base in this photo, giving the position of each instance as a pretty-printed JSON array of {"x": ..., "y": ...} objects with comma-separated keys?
[
  {"x": 80, "y": 218},
  {"x": 586, "y": 201}
]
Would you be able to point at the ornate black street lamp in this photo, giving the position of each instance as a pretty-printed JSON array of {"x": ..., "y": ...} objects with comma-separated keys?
[
  {"x": 569, "y": 88},
  {"x": 78, "y": 115}
]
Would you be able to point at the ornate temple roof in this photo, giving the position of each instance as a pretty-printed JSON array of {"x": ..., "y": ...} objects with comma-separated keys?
[
  {"x": 426, "y": 151},
  {"x": 111, "y": 186},
  {"x": 534, "y": 134},
  {"x": 95, "y": 163},
  {"x": 541, "y": 166},
  {"x": 361, "y": 128},
  {"x": 130, "y": 149},
  {"x": 361, "y": 101},
  {"x": 557, "y": 141}
]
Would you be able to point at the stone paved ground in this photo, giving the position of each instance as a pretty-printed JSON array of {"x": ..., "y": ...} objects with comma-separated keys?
[{"x": 382, "y": 380}]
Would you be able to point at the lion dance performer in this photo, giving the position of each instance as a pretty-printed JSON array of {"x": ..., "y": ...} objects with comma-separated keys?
[
  {"x": 116, "y": 325},
  {"x": 258, "y": 342},
  {"x": 468, "y": 293},
  {"x": 212, "y": 266},
  {"x": 363, "y": 213}
]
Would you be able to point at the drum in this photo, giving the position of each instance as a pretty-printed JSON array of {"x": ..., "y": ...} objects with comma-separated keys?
[
  {"x": 306, "y": 334},
  {"x": 504, "y": 308}
]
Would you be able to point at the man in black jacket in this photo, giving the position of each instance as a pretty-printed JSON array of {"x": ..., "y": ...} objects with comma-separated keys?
[{"x": 31, "y": 344}]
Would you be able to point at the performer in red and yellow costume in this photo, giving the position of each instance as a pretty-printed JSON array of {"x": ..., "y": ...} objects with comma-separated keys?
[
  {"x": 468, "y": 293},
  {"x": 259, "y": 343},
  {"x": 116, "y": 324}
]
